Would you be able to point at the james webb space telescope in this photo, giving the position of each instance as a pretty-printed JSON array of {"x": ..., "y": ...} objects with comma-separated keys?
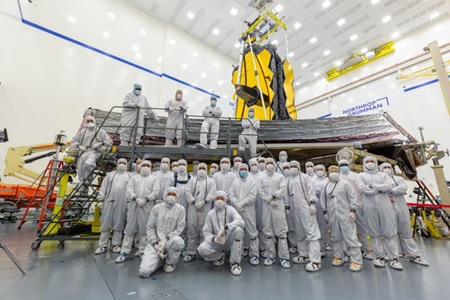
[{"x": 262, "y": 79}]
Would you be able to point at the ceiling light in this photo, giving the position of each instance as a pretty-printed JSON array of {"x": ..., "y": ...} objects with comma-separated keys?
[
  {"x": 216, "y": 64},
  {"x": 111, "y": 16},
  {"x": 326, "y": 52},
  {"x": 274, "y": 42},
  {"x": 364, "y": 50},
  {"x": 220, "y": 82},
  {"x": 316, "y": 74},
  {"x": 279, "y": 8},
  {"x": 216, "y": 31},
  {"x": 326, "y": 4},
  {"x": 106, "y": 34},
  {"x": 338, "y": 63},
  {"x": 234, "y": 11},
  {"x": 341, "y": 22},
  {"x": 291, "y": 54},
  {"x": 135, "y": 47},
  {"x": 195, "y": 53},
  {"x": 190, "y": 15},
  {"x": 172, "y": 42},
  {"x": 203, "y": 74},
  {"x": 297, "y": 25},
  {"x": 434, "y": 15},
  {"x": 313, "y": 40},
  {"x": 184, "y": 66},
  {"x": 375, "y": 1},
  {"x": 395, "y": 34},
  {"x": 353, "y": 37},
  {"x": 297, "y": 83},
  {"x": 143, "y": 32},
  {"x": 71, "y": 19},
  {"x": 304, "y": 65},
  {"x": 386, "y": 19},
  {"x": 237, "y": 45}
]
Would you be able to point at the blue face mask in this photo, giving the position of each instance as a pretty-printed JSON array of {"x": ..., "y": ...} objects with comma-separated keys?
[
  {"x": 251, "y": 115},
  {"x": 213, "y": 103},
  {"x": 345, "y": 169},
  {"x": 137, "y": 92},
  {"x": 243, "y": 174}
]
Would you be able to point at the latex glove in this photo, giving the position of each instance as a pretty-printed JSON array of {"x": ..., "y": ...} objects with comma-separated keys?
[
  {"x": 274, "y": 203},
  {"x": 96, "y": 145},
  {"x": 100, "y": 205},
  {"x": 352, "y": 217},
  {"x": 82, "y": 148},
  {"x": 220, "y": 237},
  {"x": 162, "y": 245},
  {"x": 277, "y": 194},
  {"x": 268, "y": 199},
  {"x": 312, "y": 209},
  {"x": 325, "y": 216},
  {"x": 155, "y": 118},
  {"x": 199, "y": 205},
  {"x": 140, "y": 202},
  {"x": 171, "y": 109},
  {"x": 240, "y": 205}
]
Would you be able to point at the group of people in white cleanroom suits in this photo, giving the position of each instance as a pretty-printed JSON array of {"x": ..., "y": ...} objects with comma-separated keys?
[{"x": 264, "y": 209}]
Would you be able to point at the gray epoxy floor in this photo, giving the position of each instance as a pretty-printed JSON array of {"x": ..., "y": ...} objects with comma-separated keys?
[{"x": 76, "y": 273}]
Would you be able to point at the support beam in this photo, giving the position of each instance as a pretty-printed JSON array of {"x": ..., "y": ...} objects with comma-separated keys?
[{"x": 441, "y": 72}]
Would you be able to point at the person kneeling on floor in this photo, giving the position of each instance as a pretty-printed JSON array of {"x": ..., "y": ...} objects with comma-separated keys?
[
  {"x": 166, "y": 223},
  {"x": 223, "y": 231}
]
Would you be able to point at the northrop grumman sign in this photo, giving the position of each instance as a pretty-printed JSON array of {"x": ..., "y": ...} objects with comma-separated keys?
[{"x": 369, "y": 106}]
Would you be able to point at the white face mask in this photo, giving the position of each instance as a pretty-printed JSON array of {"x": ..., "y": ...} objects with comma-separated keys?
[
  {"x": 225, "y": 167},
  {"x": 182, "y": 169},
  {"x": 286, "y": 172},
  {"x": 90, "y": 125},
  {"x": 387, "y": 171},
  {"x": 270, "y": 167},
  {"x": 137, "y": 92},
  {"x": 293, "y": 171},
  {"x": 320, "y": 173},
  {"x": 255, "y": 169},
  {"x": 237, "y": 164},
  {"x": 175, "y": 169},
  {"x": 212, "y": 171},
  {"x": 334, "y": 177},
  {"x": 201, "y": 173},
  {"x": 164, "y": 166},
  {"x": 370, "y": 166},
  {"x": 219, "y": 204},
  {"x": 179, "y": 96},
  {"x": 283, "y": 158},
  {"x": 122, "y": 167},
  {"x": 171, "y": 199},
  {"x": 262, "y": 166},
  {"x": 145, "y": 171},
  {"x": 309, "y": 170}
]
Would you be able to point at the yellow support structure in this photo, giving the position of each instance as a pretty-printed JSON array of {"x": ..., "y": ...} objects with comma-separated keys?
[
  {"x": 430, "y": 226},
  {"x": 379, "y": 52}
]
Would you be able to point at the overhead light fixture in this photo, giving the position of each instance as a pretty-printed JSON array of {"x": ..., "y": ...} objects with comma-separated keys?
[
  {"x": 106, "y": 34},
  {"x": 279, "y": 8},
  {"x": 111, "y": 16},
  {"x": 216, "y": 31},
  {"x": 71, "y": 19},
  {"x": 135, "y": 47},
  {"x": 297, "y": 25},
  {"x": 297, "y": 83},
  {"x": 313, "y": 40},
  {"x": 341, "y": 22},
  {"x": 220, "y": 82},
  {"x": 234, "y": 11},
  {"x": 395, "y": 34},
  {"x": 326, "y": 4},
  {"x": 386, "y": 19},
  {"x": 434, "y": 15},
  {"x": 326, "y": 52},
  {"x": 184, "y": 66},
  {"x": 364, "y": 50},
  {"x": 172, "y": 42},
  {"x": 237, "y": 45},
  {"x": 190, "y": 15},
  {"x": 195, "y": 53},
  {"x": 304, "y": 65},
  {"x": 203, "y": 74},
  {"x": 337, "y": 63},
  {"x": 353, "y": 37},
  {"x": 274, "y": 42},
  {"x": 143, "y": 32},
  {"x": 291, "y": 54},
  {"x": 316, "y": 74},
  {"x": 216, "y": 64},
  {"x": 375, "y": 1}
]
